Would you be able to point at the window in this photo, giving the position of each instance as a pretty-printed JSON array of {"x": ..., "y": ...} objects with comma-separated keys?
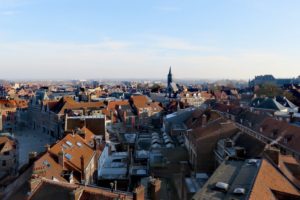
[
  {"x": 3, "y": 163},
  {"x": 68, "y": 156},
  {"x": 69, "y": 143},
  {"x": 6, "y": 153},
  {"x": 79, "y": 144}
]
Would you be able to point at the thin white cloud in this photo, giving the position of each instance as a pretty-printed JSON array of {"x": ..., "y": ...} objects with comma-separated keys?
[{"x": 8, "y": 13}]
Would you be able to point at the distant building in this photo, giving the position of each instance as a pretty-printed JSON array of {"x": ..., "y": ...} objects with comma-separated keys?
[
  {"x": 172, "y": 88},
  {"x": 239, "y": 146},
  {"x": 144, "y": 108},
  {"x": 263, "y": 79},
  {"x": 175, "y": 120},
  {"x": 278, "y": 106},
  {"x": 49, "y": 116},
  {"x": 9, "y": 113}
]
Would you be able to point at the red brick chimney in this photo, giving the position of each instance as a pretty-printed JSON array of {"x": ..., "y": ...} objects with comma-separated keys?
[{"x": 139, "y": 193}]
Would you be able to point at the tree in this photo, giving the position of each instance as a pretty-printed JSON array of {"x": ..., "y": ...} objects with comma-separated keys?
[
  {"x": 269, "y": 90},
  {"x": 289, "y": 96},
  {"x": 155, "y": 88}
]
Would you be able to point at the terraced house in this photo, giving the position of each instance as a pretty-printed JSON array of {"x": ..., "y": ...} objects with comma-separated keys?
[{"x": 49, "y": 116}]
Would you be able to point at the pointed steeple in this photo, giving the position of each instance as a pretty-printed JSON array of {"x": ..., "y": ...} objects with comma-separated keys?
[
  {"x": 170, "y": 80},
  {"x": 170, "y": 76}
]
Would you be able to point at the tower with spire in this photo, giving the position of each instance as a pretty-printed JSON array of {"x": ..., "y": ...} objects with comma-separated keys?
[
  {"x": 170, "y": 77},
  {"x": 170, "y": 80}
]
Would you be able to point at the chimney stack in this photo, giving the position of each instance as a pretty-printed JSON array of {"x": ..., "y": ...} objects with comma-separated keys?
[
  {"x": 273, "y": 154},
  {"x": 82, "y": 169},
  {"x": 204, "y": 120},
  {"x": 154, "y": 186},
  {"x": 139, "y": 193},
  {"x": 47, "y": 147},
  {"x": 66, "y": 122},
  {"x": 115, "y": 184},
  {"x": 32, "y": 156},
  {"x": 61, "y": 158}
]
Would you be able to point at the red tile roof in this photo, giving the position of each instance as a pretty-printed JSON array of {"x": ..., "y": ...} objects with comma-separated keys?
[
  {"x": 286, "y": 134},
  {"x": 75, "y": 146},
  {"x": 139, "y": 101},
  {"x": 48, "y": 189},
  {"x": 269, "y": 179}
]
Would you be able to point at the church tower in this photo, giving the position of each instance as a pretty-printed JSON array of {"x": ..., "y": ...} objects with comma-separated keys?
[
  {"x": 170, "y": 80},
  {"x": 170, "y": 77}
]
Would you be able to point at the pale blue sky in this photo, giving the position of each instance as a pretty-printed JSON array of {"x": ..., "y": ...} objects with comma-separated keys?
[{"x": 142, "y": 38}]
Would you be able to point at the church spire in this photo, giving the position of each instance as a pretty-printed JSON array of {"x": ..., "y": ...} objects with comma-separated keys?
[{"x": 170, "y": 80}]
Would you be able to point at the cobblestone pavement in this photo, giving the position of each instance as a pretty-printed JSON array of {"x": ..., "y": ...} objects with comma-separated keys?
[{"x": 31, "y": 141}]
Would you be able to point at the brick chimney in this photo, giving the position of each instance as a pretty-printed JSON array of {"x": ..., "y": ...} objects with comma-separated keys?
[
  {"x": 154, "y": 186},
  {"x": 32, "y": 156},
  {"x": 61, "y": 158},
  {"x": 139, "y": 193},
  {"x": 66, "y": 122},
  {"x": 47, "y": 147},
  {"x": 82, "y": 169},
  {"x": 273, "y": 154}
]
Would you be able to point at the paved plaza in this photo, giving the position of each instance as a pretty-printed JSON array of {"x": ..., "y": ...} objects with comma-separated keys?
[{"x": 31, "y": 141}]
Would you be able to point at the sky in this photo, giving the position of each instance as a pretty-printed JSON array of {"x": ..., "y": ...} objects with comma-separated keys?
[{"x": 200, "y": 39}]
